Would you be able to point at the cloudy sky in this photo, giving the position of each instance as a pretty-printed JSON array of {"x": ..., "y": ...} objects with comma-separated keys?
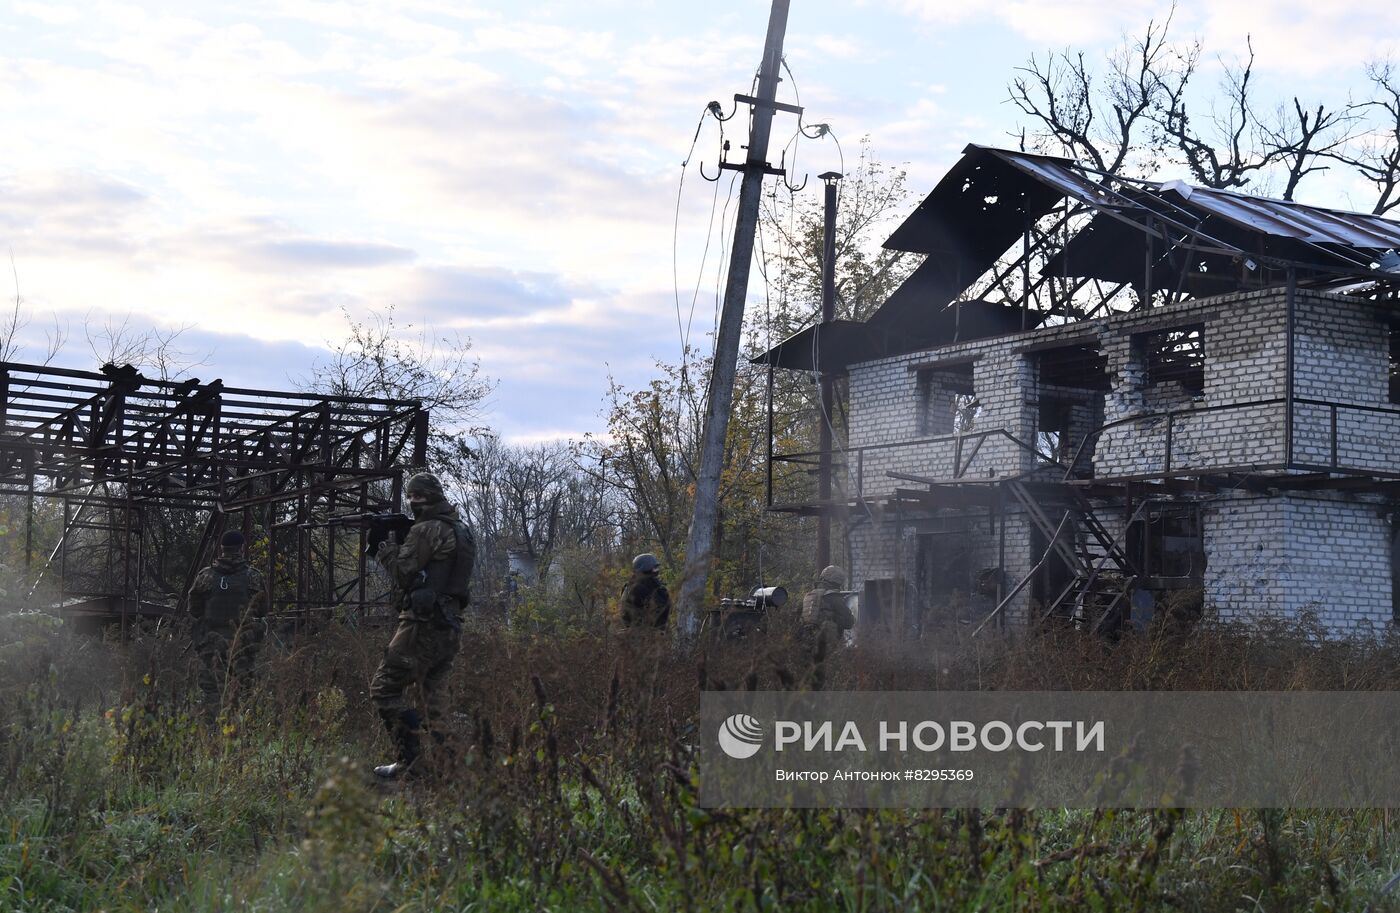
[{"x": 506, "y": 171}]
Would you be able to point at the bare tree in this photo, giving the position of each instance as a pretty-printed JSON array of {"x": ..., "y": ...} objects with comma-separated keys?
[
  {"x": 1104, "y": 121},
  {"x": 1143, "y": 111},
  {"x": 14, "y": 322},
  {"x": 1228, "y": 150},
  {"x": 381, "y": 358},
  {"x": 1238, "y": 145},
  {"x": 1376, "y": 153},
  {"x": 10, "y": 326},
  {"x": 1301, "y": 139},
  {"x": 537, "y": 500},
  {"x": 116, "y": 341}
]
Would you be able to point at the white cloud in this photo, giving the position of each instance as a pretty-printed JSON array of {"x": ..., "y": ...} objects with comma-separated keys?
[
  {"x": 507, "y": 172},
  {"x": 1043, "y": 22},
  {"x": 1300, "y": 39},
  {"x": 52, "y": 13}
]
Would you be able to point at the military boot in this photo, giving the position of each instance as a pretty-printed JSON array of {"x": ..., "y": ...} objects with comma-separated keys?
[{"x": 404, "y": 727}]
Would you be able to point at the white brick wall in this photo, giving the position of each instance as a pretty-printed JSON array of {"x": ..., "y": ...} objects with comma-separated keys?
[
  {"x": 1292, "y": 554},
  {"x": 1279, "y": 554}
]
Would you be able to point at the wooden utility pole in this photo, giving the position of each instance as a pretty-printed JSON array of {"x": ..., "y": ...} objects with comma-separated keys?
[
  {"x": 828, "y": 314},
  {"x": 699, "y": 553}
]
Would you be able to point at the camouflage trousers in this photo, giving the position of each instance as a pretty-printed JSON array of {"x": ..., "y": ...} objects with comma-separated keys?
[
  {"x": 421, "y": 654},
  {"x": 823, "y": 635},
  {"x": 226, "y": 661}
]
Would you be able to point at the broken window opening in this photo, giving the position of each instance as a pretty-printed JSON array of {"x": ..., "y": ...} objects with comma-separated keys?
[
  {"x": 882, "y": 607},
  {"x": 1395, "y": 567},
  {"x": 1052, "y": 429},
  {"x": 1394, "y": 333},
  {"x": 1176, "y": 355},
  {"x": 1170, "y": 544},
  {"x": 944, "y": 567},
  {"x": 966, "y": 411},
  {"x": 1082, "y": 367},
  {"x": 947, "y": 403}
]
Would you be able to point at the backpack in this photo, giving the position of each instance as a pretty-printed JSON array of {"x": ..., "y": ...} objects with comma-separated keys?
[{"x": 230, "y": 595}]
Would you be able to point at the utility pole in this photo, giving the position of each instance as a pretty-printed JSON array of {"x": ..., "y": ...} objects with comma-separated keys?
[
  {"x": 699, "y": 553},
  {"x": 828, "y": 314}
]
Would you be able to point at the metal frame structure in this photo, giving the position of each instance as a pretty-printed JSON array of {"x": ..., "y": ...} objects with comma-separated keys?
[{"x": 121, "y": 451}]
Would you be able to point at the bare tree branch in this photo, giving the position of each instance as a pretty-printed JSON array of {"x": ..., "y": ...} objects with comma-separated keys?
[
  {"x": 1301, "y": 139},
  {"x": 116, "y": 341},
  {"x": 1376, "y": 152},
  {"x": 1103, "y": 124}
]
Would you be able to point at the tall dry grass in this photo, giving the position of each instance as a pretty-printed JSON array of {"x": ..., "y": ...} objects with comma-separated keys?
[{"x": 571, "y": 784}]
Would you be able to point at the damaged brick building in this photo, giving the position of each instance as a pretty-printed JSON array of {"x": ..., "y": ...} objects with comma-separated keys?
[{"x": 1099, "y": 400}]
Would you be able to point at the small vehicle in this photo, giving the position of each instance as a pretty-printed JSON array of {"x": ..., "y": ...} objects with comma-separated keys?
[{"x": 739, "y": 619}]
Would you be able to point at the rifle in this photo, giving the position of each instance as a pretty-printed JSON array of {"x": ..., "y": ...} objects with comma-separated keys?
[{"x": 381, "y": 526}]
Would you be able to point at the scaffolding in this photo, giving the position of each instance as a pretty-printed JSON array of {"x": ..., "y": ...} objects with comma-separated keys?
[{"x": 123, "y": 485}]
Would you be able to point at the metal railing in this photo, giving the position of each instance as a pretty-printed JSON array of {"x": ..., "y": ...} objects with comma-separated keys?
[
  {"x": 1173, "y": 418},
  {"x": 965, "y": 449}
]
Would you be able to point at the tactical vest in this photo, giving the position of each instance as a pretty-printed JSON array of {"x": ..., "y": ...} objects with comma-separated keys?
[
  {"x": 642, "y": 603},
  {"x": 453, "y": 577},
  {"x": 229, "y": 597},
  {"x": 812, "y": 607}
]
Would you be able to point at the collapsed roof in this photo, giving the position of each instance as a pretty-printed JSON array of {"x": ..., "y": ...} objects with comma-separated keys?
[{"x": 1037, "y": 231}]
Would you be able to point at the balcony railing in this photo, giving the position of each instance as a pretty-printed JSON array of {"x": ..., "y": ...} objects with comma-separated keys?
[
  {"x": 1327, "y": 437},
  {"x": 866, "y": 471},
  {"x": 1253, "y": 436}
]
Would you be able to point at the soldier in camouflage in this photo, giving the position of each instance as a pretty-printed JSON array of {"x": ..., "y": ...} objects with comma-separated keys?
[
  {"x": 229, "y": 606},
  {"x": 645, "y": 600},
  {"x": 431, "y": 571},
  {"x": 825, "y": 615}
]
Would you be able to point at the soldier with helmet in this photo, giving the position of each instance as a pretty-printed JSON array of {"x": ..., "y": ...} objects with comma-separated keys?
[
  {"x": 645, "y": 600},
  {"x": 431, "y": 570},
  {"x": 825, "y": 614},
  {"x": 229, "y": 606}
]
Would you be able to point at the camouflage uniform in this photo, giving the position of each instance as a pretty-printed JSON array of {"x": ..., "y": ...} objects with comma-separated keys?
[
  {"x": 645, "y": 602},
  {"x": 825, "y": 614},
  {"x": 431, "y": 571},
  {"x": 229, "y": 606}
]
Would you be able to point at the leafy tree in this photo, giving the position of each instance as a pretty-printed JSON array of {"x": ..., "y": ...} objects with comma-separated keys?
[{"x": 648, "y": 457}]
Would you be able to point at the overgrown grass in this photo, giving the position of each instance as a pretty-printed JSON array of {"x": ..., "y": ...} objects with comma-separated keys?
[{"x": 572, "y": 786}]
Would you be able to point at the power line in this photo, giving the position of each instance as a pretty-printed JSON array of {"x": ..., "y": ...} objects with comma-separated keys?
[{"x": 712, "y": 109}]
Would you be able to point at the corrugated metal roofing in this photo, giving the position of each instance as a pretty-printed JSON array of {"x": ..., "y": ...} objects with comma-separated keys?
[
  {"x": 1193, "y": 237},
  {"x": 1285, "y": 219},
  {"x": 1277, "y": 218}
]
